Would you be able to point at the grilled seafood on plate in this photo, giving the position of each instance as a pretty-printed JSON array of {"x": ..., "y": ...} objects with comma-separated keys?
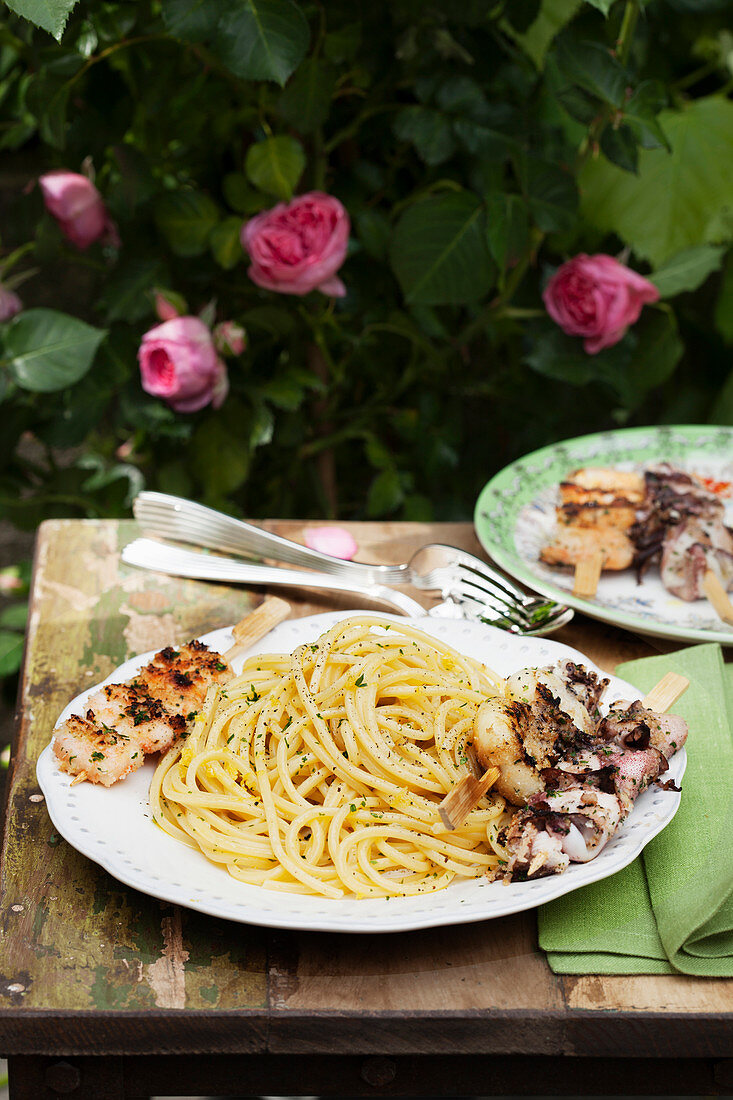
[
  {"x": 574, "y": 774},
  {"x": 663, "y": 516}
]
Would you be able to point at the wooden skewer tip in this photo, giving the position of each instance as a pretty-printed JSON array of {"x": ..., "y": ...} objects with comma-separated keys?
[
  {"x": 587, "y": 575},
  {"x": 664, "y": 694},
  {"x": 717, "y": 596},
  {"x": 458, "y": 803},
  {"x": 259, "y": 622}
]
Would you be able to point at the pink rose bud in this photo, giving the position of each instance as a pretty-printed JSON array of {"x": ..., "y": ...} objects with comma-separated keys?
[
  {"x": 229, "y": 338},
  {"x": 10, "y": 303},
  {"x": 299, "y": 246},
  {"x": 165, "y": 307},
  {"x": 178, "y": 362},
  {"x": 598, "y": 298},
  {"x": 77, "y": 206},
  {"x": 331, "y": 540}
]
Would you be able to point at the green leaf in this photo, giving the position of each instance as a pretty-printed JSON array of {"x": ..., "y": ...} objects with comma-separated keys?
[
  {"x": 195, "y": 20},
  {"x": 724, "y": 304},
  {"x": 51, "y": 15},
  {"x": 641, "y": 111},
  {"x": 385, "y": 493},
  {"x": 127, "y": 293},
  {"x": 439, "y": 251},
  {"x": 592, "y": 66},
  {"x": 343, "y": 44},
  {"x": 226, "y": 247},
  {"x": 553, "y": 16},
  {"x": 186, "y": 218},
  {"x": 555, "y": 355},
  {"x": 48, "y": 351},
  {"x": 678, "y": 200},
  {"x": 551, "y": 193},
  {"x": 430, "y": 131},
  {"x": 602, "y": 5},
  {"x": 11, "y": 652},
  {"x": 262, "y": 39},
  {"x": 619, "y": 145},
  {"x": 507, "y": 227},
  {"x": 14, "y": 616},
  {"x": 522, "y": 14},
  {"x": 222, "y": 457},
  {"x": 240, "y": 196},
  {"x": 688, "y": 269},
  {"x": 306, "y": 101},
  {"x": 48, "y": 100},
  {"x": 657, "y": 353},
  {"x": 275, "y": 165},
  {"x": 644, "y": 359},
  {"x": 579, "y": 105},
  {"x": 374, "y": 231}
]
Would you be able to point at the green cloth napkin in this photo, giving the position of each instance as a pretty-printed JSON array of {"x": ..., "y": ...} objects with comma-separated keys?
[{"x": 671, "y": 910}]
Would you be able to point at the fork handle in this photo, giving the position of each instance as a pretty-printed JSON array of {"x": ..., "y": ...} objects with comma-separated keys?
[
  {"x": 148, "y": 554},
  {"x": 186, "y": 521}
]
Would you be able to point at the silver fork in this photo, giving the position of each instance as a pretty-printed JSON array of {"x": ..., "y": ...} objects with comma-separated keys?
[
  {"x": 435, "y": 566},
  {"x": 148, "y": 554}
]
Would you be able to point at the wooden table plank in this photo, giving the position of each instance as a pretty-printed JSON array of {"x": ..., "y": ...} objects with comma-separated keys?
[{"x": 73, "y": 938}]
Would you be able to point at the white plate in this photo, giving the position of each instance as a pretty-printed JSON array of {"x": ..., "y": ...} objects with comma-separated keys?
[
  {"x": 112, "y": 826},
  {"x": 515, "y": 516}
]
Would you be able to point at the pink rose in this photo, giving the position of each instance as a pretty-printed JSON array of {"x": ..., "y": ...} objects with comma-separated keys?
[
  {"x": 299, "y": 246},
  {"x": 77, "y": 206},
  {"x": 229, "y": 338},
  {"x": 178, "y": 362},
  {"x": 597, "y": 297},
  {"x": 10, "y": 303}
]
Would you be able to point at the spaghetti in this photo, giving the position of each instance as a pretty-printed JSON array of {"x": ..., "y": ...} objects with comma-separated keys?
[{"x": 321, "y": 771}]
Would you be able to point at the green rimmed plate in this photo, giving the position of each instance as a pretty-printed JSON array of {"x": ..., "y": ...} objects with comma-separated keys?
[{"x": 515, "y": 515}]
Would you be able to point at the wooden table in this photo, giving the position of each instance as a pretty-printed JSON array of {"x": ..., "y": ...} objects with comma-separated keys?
[{"x": 106, "y": 993}]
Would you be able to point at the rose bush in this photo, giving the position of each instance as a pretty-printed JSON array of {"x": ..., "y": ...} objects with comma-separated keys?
[
  {"x": 299, "y": 246},
  {"x": 598, "y": 298},
  {"x": 426, "y": 237}
]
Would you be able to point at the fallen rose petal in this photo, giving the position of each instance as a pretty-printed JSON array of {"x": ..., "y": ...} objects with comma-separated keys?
[{"x": 331, "y": 540}]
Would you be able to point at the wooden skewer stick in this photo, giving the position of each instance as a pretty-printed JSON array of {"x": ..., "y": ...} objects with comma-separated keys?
[
  {"x": 258, "y": 623},
  {"x": 458, "y": 803},
  {"x": 587, "y": 575},
  {"x": 666, "y": 692},
  {"x": 717, "y": 596}
]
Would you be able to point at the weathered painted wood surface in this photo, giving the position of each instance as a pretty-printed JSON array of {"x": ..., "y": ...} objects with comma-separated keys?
[{"x": 90, "y": 966}]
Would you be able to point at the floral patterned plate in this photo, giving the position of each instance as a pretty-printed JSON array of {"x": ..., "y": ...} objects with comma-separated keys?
[{"x": 515, "y": 515}]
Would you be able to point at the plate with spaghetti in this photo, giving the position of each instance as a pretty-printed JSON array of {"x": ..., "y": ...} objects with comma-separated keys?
[{"x": 358, "y": 846}]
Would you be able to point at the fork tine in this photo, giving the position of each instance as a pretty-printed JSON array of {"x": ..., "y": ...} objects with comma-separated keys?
[
  {"x": 483, "y": 603},
  {"x": 470, "y": 562},
  {"x": 471, "y": 586}
]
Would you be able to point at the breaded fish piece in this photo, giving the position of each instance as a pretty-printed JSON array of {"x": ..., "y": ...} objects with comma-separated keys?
[{"x": 124, "y": 722}]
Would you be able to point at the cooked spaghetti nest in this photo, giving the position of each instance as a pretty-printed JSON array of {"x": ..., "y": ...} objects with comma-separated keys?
[{"x": 321, "y": 771}]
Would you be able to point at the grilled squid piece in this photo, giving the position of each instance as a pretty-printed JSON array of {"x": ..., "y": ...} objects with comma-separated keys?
[
  {"x": 558, "y": 828},
  {"x": 632, "y": 726},
  {"x": 545, "y": 717}
]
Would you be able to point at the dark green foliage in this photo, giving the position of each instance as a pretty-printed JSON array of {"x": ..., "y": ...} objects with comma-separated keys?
[{"x": 475, "y": 147}]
